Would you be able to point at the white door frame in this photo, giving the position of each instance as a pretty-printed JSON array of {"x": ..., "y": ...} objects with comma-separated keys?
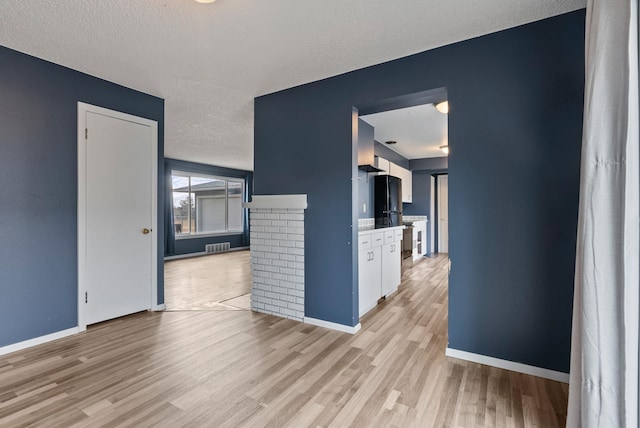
[
  {"x": 439, "y": 207},
  {"x": 434, "y": 216},
  {"x": 83, "y": 109}
]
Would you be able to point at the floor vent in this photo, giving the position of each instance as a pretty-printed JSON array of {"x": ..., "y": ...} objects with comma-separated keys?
[{"x": 217, "y": 248}]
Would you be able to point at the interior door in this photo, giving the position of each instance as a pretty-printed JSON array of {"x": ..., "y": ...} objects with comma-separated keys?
[
  {"x": 117, "y": 273},
  {"x": 443, "y": 213}
]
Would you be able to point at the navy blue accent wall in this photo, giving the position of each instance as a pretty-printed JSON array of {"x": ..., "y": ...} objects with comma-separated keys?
[
  {"x": 385, "y": 152},
  {"x": 197, "y": 244},
  {"x": 365, "y": 194},
  {"x": 422, "y": 169},
  {"x": 440, "y": 163},
  {"x": 516, "y": 100},
  {"x": 38, "y": 172}
]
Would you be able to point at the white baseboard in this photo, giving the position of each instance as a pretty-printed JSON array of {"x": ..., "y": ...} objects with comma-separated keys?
[
  {"x": 332, "y": 325},
  {"x": 508, "y": 365},
  {"x": 38, "y": 341},
  {"x": 202, "y": 253},
  {"x": 160, "y": 307}
]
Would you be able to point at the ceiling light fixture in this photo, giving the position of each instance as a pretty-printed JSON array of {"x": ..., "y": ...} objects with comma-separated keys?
[
  {"x": 443, "y": 107},
  {"x": 445, "y": 149},
  {"x": 205, "y": 1}
]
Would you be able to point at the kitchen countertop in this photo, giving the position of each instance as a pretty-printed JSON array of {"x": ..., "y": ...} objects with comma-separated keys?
[
  {"x": 414, "y": 218},
  {"x": 373, "y": 228}
]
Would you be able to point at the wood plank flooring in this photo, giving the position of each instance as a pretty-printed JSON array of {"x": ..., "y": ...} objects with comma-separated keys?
[
  {"x": 213, "y": 282},
  {"x": 244, "y": 369}
]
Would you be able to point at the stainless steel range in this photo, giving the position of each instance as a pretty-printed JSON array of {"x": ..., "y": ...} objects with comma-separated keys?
[{"x": 407, "y": 246}]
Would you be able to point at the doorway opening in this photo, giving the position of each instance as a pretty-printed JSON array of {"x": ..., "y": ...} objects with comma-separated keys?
[
  {"x": 209, "y": 282},
  {"x": 206, "y": 225},
  {"x": 440, "y": 209},
  {"x": 404, "y": 137}
]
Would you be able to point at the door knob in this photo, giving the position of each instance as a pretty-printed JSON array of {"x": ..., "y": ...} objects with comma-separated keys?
[{"x": 146, "y": 231}]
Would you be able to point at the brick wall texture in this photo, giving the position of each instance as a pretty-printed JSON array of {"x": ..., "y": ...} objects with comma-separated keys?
[{"x": 277, "y": 262}]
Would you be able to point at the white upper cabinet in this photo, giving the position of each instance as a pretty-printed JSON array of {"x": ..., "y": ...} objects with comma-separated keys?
[
  {"x": 407, "y": 181},
  {"x": 382, "y": 164}
]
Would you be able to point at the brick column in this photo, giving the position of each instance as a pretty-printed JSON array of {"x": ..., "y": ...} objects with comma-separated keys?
[{"x": 277, "y": 255}]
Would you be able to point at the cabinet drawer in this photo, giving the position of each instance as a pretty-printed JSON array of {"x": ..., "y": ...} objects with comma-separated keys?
[
  {"x": 364, "y": 241},
  {"x": 398, "y": 235},
  {"x": 389, "y": 237},
  {"x": 377, "y": 239}
]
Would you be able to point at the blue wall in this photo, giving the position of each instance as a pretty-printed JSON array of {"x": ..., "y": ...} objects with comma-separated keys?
[
  {"x": 38, "y": 172},
  {"x": 422, "y": 170},
  {"x": 515, "y": 96},
  {"x": 197, "y": 244},
  {"x": 386, "y": 153}
]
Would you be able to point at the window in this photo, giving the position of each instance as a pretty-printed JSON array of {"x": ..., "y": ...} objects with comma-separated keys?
[{"x": 204, "y": 204}]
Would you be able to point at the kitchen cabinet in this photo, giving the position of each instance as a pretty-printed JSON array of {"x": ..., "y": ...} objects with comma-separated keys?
[
  {"x": 383, "y": 164},
  {"x": 391, "y": 262},
  {"x": 379, "y": 265},
  {"x": 407, "y": 181},
  {"x": 369, "y": 268},
  {"x": 419, "y": 239}
]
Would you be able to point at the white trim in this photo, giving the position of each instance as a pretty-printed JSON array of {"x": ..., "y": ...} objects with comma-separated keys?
[
  {"x": 158, "y": 308},
  {"x": 277, "y": 201},
  {"x": 332, "y": 325},
  {"x": 206, "y": 235},
  {"x": 432, "y": 209},
  {"x": 203, "y": 253},
  {"x": 508, "y": 365},
  {"x": 38, "y": 340},
  {"x": 83, "y": 109}
]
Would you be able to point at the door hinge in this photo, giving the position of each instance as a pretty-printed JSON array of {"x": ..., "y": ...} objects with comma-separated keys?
[
  {"x": 86, "y": 297},
  {"x": 86, "y": 133}
]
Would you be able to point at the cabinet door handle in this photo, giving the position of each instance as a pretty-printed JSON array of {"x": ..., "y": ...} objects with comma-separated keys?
[{"x": 373, "y": 255}]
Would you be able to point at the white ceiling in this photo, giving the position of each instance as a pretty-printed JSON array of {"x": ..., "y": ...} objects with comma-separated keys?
[
  {"x": 208, "y": 61},
  {"x": 418, "y": 131}
]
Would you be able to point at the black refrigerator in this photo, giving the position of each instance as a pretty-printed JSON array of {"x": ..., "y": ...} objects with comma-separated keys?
[{"x": 387, "y": 201}]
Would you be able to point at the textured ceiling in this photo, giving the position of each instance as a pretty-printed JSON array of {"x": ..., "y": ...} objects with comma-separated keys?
[{"x": 208, "y": 61}]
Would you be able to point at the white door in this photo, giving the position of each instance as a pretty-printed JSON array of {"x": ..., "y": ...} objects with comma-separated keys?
[
  {"x": 443, "y": 213},
  {"x": 116, "y": 236}
]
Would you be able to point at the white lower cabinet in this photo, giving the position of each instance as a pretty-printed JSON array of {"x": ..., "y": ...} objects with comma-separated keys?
[
  {"x": 369, "y": 280},
  {"x": 379, "y": 265},
  {"x": 391, "y": 263},
  {"x": 419, "y": 239}
]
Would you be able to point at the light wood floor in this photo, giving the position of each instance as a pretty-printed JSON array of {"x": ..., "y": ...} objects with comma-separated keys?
[
  {"x": 244, "y": 369},
  {"x": 214, "y": 282}
]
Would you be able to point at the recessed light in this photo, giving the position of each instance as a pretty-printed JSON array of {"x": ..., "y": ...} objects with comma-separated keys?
[{"x": 205, "y": 1}]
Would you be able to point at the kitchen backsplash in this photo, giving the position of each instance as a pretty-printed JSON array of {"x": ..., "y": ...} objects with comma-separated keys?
[{"x": 366, "y": 223}]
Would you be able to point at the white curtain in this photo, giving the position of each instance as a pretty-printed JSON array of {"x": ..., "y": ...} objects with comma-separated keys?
[{"x": 603, "y": 388}]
